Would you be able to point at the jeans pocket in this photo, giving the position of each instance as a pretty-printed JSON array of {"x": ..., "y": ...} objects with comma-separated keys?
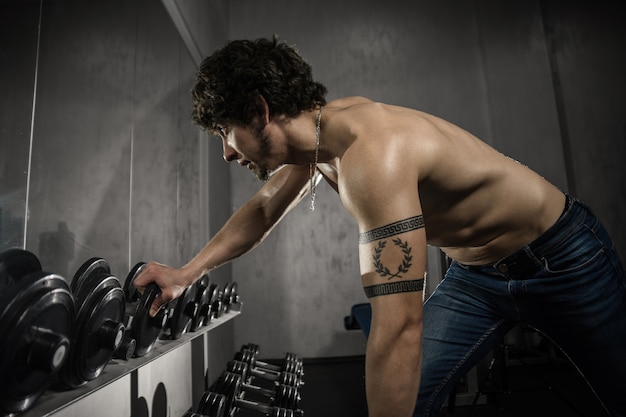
[{"x": 575, "y": 261}]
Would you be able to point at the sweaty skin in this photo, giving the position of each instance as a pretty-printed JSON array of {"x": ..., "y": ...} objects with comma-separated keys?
[{"x": 388, "y": 164}]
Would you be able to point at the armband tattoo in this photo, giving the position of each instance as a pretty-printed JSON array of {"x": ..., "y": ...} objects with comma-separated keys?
[
  {"x": 392, "y": 229},
  {"x": 394, "y": 288}
]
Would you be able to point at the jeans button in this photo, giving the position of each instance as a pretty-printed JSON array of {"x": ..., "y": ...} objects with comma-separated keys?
[{"x": 503, "y": 268}]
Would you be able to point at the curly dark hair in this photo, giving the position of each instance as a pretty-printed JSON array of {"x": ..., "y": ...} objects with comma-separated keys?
[{"x": 230, "y": 81}]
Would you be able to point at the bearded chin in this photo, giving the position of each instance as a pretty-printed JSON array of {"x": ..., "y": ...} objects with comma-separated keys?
[{"x": 262, "y": 173}]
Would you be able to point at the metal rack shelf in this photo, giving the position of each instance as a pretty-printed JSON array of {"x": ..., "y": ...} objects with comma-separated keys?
[{"x": 53, "y": 401}]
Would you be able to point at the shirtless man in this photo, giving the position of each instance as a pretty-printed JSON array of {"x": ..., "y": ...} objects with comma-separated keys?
[{"x": 522, "y": 250}]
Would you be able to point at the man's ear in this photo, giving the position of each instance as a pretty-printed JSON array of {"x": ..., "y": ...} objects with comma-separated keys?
[{"x": 264, "y": 110}]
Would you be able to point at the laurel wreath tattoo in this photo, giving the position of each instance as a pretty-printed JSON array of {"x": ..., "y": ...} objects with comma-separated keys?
[{"x": 403, "y": 268}]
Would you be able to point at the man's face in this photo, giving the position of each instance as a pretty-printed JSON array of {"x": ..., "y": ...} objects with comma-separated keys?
[{"x": 249, "y": 147}]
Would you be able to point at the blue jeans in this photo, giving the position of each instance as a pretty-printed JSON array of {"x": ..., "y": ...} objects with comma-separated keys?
[{"x": 569, "y": 284}]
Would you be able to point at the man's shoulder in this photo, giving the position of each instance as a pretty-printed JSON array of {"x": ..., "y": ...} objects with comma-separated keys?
[{"x": 347, "y": 102}]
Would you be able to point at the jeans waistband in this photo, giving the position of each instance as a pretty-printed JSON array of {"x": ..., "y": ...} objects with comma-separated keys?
[{"x": 528, "y": 260}]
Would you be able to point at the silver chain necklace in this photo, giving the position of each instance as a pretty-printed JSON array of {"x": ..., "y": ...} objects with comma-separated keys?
[{"x": 313, "y": 167}]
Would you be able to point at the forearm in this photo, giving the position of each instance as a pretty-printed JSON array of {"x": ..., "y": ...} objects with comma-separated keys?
[
  {"x": 252, "y": 222},
  {"x": 246, "y": 228},
  {"x": 393, "y": 369}
]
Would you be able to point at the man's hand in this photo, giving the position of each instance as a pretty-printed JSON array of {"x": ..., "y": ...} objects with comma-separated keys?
[{"x": 171, "y": 281}]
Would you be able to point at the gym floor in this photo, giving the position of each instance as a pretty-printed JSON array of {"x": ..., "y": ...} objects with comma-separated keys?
[{"x": 336, "y": 388}]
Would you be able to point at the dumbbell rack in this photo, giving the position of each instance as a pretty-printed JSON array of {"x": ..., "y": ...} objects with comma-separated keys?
[{"x": 54, "y": 402}]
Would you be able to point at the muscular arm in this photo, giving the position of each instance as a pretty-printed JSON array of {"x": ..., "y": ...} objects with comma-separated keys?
[
  {"x": 393, "y": 278},
  {"x": 383, "y": 198},
  {"x": 252, "y": 222},
  {"x": 245, "y": 229}
]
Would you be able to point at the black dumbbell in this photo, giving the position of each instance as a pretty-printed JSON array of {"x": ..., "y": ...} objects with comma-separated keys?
[
  {"x": 214, "y": 304},
  {"x": 203, "y": 301},
  {"x": 282, "y": 378},
  {"x": 217, "y": 305},
  {"x": 180, "y": 314},
  {"x": 280, "y": 395},
  {"x": 290, "y": 364},
  {"x": 230, "y": 296},
  {"x": 211, "y": 405},
  {"x": 142, "y": 328},
  {"x": 98, "y": 327},
  {"x": 36, "y": 320},
  {"x": 230, "y": 385},
  {"x": 291, "y": 357}
]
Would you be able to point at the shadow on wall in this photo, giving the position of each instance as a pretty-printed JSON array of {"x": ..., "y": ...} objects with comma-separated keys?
[
  {"x": 56, "y": 250},
  {"x": 11, "y": 220}
]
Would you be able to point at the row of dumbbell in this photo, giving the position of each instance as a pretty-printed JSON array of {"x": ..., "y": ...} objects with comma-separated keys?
[
  {"x": 60, "y": 335},
  {"x": 255, "y": 387},
  {"x": 197, "y": 306}
]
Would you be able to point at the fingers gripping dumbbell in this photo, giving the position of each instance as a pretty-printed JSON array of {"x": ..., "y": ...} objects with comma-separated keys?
[
  {"x": 280, "y": 395},
  {"x": 230, "y": 386},
  {"x": 181, "y": 313},
  {"x": 281, "y": 378},
  {"x": 141, "y": 328}
]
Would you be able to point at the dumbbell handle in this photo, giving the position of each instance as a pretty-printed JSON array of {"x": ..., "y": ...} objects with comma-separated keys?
[
  {"x": 264, "y": 409},
  {"x": 268, "y": 366},
  {"x": 280, "y": 378},
  {"x": 253, "y": 389},
  {"x": 264, "y": 374}
]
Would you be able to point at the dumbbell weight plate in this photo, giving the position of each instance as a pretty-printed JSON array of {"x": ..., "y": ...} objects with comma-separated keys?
[
  {"x": 240, "y": 368},
  {"x": 14, "y": 264},
  {"x": 234, "y": 293},
  {"x": 202, "y": 301},
  {"x": 226, "y": 297},
  {"x": 287, "y": 397},
  {"x": 212, "y": 405},
  {"x": 251, "y": 346},
  {"x": 229, "y": 385},
  {"x": 36, "y": 318},
  {"x": 217, "y": 301},
  {"x": 132, "y": 295},
  {"x": 144, "y": 329},
  {"x": 99, "y": 328},
  {"x": 184, "y": 310},
  {"x": 91, "y": 267}
]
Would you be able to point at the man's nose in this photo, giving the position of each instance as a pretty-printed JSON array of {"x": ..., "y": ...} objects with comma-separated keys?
[{"x": 230, "y": 154}]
